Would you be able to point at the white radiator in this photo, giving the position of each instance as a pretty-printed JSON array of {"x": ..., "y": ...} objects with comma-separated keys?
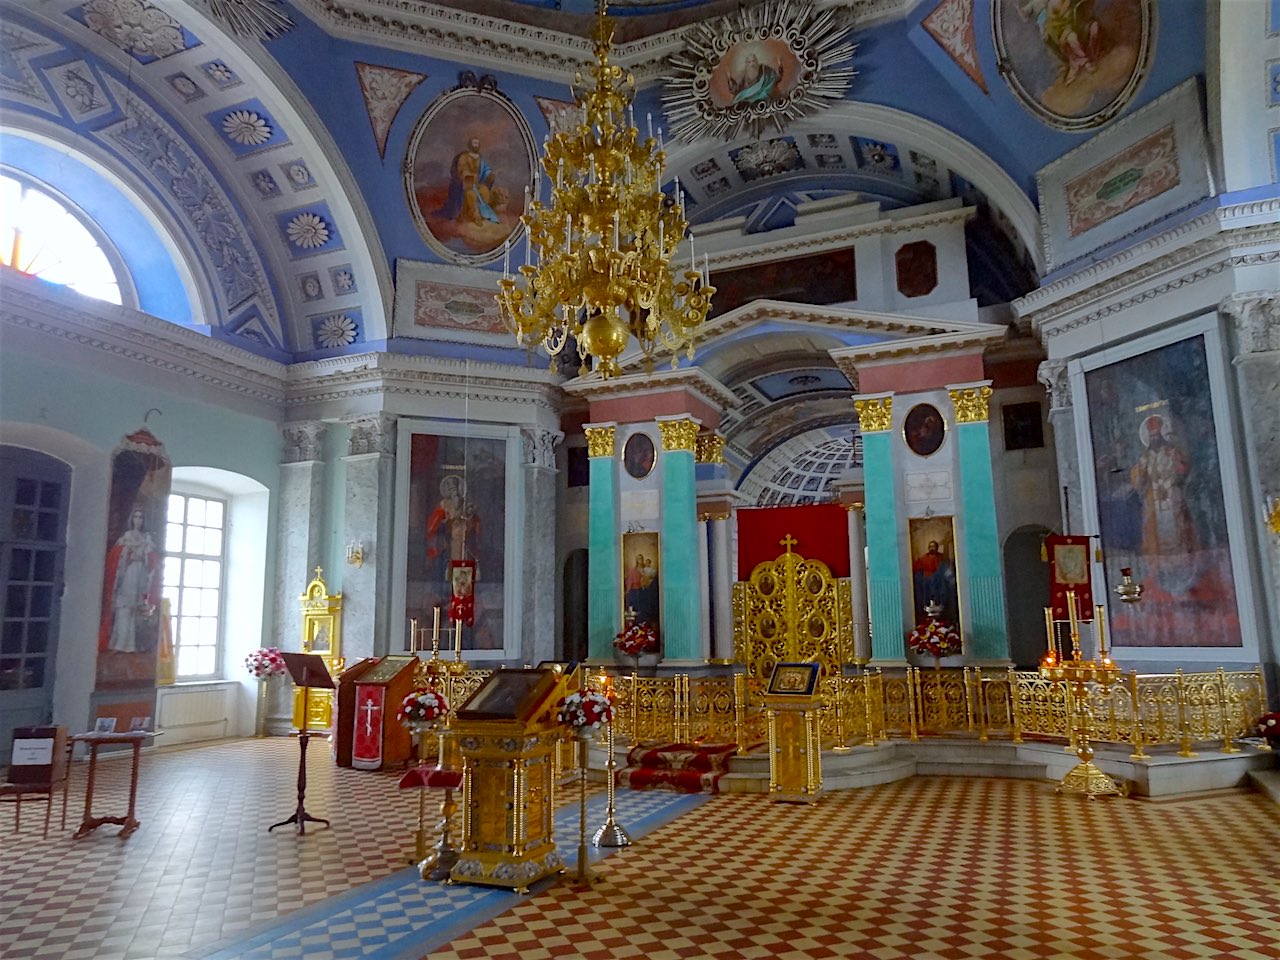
[{"x": 195, "y": 712}]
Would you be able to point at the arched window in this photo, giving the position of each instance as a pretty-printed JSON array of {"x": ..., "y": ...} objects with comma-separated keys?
[{"x": 41, "y": 235}]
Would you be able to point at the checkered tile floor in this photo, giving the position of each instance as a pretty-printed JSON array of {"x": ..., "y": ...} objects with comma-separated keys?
[{"x": 941, "y": 868}]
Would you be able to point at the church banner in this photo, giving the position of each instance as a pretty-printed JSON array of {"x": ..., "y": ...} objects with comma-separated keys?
[{"x": 1069, "y": 570}]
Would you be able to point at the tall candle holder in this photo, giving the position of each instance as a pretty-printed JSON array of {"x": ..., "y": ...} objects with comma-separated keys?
[
  {"x": 612, "y": 833},
  {"x": 583, "y": 736},
  {"x": 1085, "y": 777}
]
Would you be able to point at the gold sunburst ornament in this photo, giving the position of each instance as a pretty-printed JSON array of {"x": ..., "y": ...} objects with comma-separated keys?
[{"x": 599, "y": 257}]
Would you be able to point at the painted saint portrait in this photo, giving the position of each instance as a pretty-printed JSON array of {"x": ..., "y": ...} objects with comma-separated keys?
[
  {"x": 1160, "y": 498},
  {"x": 457, "y": 520},
  {"x": 469, "y": 164},
  {"x": 1074, "y": 63},
  {"x": 754, "y": 71},
  {"x": 933, "y": 567},
  {"x": 924, "y": 429},
  {"x": 641, "y": 563},
  {"x": 638, "y": 455}
]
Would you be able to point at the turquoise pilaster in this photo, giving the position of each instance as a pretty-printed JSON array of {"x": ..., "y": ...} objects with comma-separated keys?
[
  {"x": 884, "y": 579},
  {"x": 604, "y": 564},
  {"x": 988, "y": 625},
  {"x": 681, "y": 584}
]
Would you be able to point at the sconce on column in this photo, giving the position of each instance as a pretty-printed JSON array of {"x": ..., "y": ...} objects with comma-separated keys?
[{"x": 355, "y": 553}]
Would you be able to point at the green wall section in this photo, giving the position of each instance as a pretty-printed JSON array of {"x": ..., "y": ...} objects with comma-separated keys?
[
  {"x": 101, "y": 409},
  {"x": 604, "y": 565},
  {"x": 681, "y": 584},
  {"x": 988, "y": 625},
  {"x": 888, "y": 630}
]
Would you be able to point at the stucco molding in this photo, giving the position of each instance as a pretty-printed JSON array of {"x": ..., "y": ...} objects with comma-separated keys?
[{"x": 694, "y": 379}]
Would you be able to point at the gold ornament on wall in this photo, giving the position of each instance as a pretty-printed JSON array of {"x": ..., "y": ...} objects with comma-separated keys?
[
  {"x": 875, "y": 415},
  {"x": 710, "y": 448},
  {"x": 679, "y": 435},
  {"x": 971, "y": 404},
  {"x": 599, "y": 441},
  {"x": 599, "y": 257}
]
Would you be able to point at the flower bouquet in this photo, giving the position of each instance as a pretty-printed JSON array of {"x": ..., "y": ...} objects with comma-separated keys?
[
  {"x": 265, "y": 663},
  {"x": 422, "y": 706},
  {"x": 935, "y": 638},
  {"x": 637, "y": 639},
  {"x": 1268, "y": 726},
  {"x": 585, "y": 710}
]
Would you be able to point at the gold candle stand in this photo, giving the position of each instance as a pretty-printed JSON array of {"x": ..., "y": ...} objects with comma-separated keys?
[
  {"x": 1085, "y": 777},
  {"x": 612, "y": 833},
  {"x": 585, "y": 876}
]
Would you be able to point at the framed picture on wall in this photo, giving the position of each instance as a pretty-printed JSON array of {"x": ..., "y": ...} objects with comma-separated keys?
[
  {"x": 458, "y": 492},
  {"x": 641, "y": 580},
  {"x": 1158, "y": 477},
  {"x": 933, "y": 567}
]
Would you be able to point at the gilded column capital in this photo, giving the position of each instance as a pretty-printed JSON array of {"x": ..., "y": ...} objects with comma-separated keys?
[
  {"x": 971, "y": 403},
  {"x": 679, "y": 433},
  {"x": 875, "y": 414},
  {"x": 600, "y": 440},
  {"x": 710, "y": 448}
]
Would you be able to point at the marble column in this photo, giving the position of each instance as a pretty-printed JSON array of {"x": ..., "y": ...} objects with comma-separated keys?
[
  {"x": 680, "y": 584},
  {"x": 604, "y": 562},
  {"x": 884, "y": 560},
  {"x": 704, "y": 577},
  {"x": 984, "y": 565},
  {"x": 1053, "y": 374},
  {"x": 858, "y": 582},
  {"x": 301, "y": 525},
  {"x": 540, "y": 575},
  {"x": 722, "y": 586},
  {"x": 1255, "y": 320},
  {"x": 368, "y": 511}
]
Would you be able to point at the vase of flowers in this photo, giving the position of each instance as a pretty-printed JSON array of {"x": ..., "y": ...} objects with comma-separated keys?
[
  {"x": 263, "y": 664},
  {"x": 1268, "y": 727},
  {"x": 420, "y": 711},
  {"x": 585, "y": 711},
  {"x": 935, "y": 638},
  {"x": 638, "y": 638}
]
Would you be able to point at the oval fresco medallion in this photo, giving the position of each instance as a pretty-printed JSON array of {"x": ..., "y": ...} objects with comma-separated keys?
[
  {"x": 469, "y": 163},
  {"x": 1075, "y": 64}
]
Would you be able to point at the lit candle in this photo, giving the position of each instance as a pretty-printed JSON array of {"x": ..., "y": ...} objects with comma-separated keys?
[{"x": 413, "y": 635}]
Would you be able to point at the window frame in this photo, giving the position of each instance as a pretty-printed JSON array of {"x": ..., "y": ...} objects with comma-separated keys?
[{"x": 219, "y": 646}]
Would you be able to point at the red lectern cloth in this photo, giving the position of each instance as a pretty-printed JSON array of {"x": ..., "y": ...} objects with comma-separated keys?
[
  {"x": 431, "y": 777},
  {"x": 821, "y": 532},
  {"x": 1069, "y": 569}
]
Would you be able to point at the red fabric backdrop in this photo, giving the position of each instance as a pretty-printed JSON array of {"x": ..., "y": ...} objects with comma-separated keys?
[{"x": 821, "y": 531}]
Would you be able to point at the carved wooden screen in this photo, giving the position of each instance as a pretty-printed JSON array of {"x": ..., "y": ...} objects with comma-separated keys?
[{"x": 792, "y": 610}]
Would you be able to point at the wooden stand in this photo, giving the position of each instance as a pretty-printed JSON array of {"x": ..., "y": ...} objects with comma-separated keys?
[
  {"x": 95, "y": 740},
  {"x": 306, "y": 669}
]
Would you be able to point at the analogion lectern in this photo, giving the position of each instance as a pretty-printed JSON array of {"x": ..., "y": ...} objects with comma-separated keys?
[
  {"x": 507, "y": 731},
  {"x": 308, "y": 670},
  {"x": 793, "y": 704}
]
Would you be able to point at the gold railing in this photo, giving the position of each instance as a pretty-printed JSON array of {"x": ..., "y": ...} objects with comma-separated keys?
[{"x": 1179, "y": 709}]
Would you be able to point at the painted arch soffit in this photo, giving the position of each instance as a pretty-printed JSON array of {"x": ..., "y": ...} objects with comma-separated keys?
[{"x": 208, "y": 121}]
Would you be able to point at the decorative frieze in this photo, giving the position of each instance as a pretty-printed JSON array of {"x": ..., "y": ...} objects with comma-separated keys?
[
  {"x": 539, "y": 446},
  {"x": 600, "y": 440},
  {"x": 875, "y": 414},
  {"x": 374, "y": 433},
  {"x": 302, "y": 441},
  {"x": 679, "y": 434},
  {"x": 971, "y": 403}
]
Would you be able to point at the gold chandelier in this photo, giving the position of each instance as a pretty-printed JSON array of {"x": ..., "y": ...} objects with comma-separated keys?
[{"x": 598, "y": 262}]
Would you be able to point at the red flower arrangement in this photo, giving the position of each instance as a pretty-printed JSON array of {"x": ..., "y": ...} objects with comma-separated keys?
[
  {"x": 1268, "y": 726},
  {"x": 637, "y": 639},
  {"x": 422, "y": 706},
  {"x": 585, "y": 709},
  {"x": 935, "y": 638},
  {"x": 265, "y": 663}
]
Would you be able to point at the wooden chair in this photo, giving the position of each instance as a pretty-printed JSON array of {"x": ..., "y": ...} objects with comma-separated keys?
[{"x": 38, "y": 769}]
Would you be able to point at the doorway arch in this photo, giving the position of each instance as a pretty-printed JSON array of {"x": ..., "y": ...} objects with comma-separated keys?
[{"x": 1027, "y": 588}]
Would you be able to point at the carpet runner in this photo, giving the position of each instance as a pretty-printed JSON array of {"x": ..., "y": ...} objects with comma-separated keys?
[{"x": 679, "y": 767}]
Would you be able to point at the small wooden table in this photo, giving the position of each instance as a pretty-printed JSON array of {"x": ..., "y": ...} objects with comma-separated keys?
[{"x": 94, "y": 741}]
